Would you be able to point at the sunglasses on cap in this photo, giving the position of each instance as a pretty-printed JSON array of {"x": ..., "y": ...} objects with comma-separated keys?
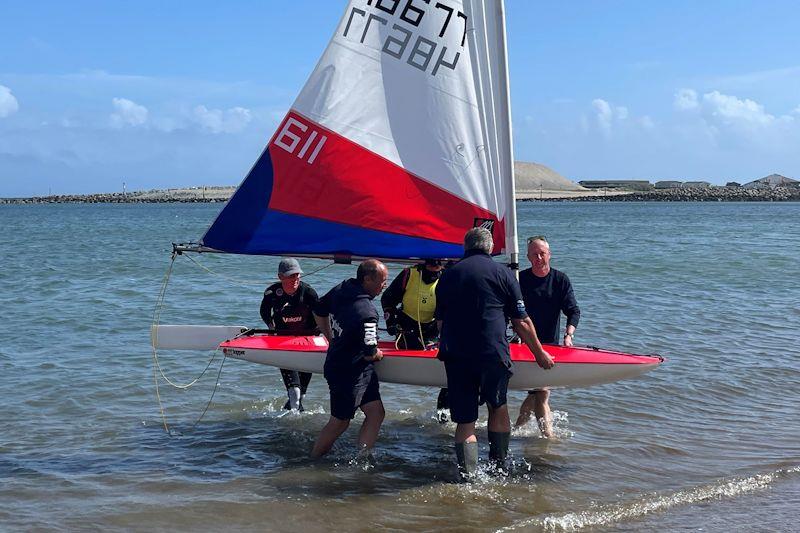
[{"x": 537, "y": 238}]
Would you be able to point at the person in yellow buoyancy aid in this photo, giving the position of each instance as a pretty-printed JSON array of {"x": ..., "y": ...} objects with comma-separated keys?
[{"x": 408, "y": 307}]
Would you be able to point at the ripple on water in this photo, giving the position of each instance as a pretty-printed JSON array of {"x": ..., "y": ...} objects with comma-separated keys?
[{"x": 83, "y": 445}]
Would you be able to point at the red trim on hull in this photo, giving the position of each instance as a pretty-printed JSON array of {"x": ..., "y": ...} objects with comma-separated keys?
[{"x": 519, "y": 352}]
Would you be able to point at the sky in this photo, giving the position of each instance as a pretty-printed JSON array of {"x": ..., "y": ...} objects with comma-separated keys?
[{"x": 172, "y": 94}]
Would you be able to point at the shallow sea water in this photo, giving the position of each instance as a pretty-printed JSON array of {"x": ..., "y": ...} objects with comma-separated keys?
[{"x": 710, "y": 441}]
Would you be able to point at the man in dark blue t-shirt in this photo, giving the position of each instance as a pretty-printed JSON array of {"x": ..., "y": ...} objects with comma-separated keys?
[
  {"x": 547, "y": 293},
  {"x": 349, "y": 321},
  {"x": 474, "y": 299}
]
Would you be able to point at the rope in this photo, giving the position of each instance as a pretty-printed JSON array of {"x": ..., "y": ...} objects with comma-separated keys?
[
  {"x": 156, "y": 317},
  {"x": 247, "y": 283},
  {"x": 158, "y": 369},
  {"x": 213, "y": 392}
]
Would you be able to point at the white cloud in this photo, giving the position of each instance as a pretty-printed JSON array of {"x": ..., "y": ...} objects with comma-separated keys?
[
  {"x": 647, "y": 123},
  {"x": 726, "y": 109},
  {"x": 8, "y": 104},
  {"x": 730, "y": 108},
  {"x": 218, "y": 121},
  {"x": 128, "y": 113},
  {"x": 606, "y": 114},
  {"x": 685, "y": 100}
]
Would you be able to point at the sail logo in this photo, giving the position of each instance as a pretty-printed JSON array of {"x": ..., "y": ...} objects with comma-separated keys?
[
  {"x": 294, "y": 133},
  {"x": 405, "y": 20},
  {"x": 485, "y": 223}
]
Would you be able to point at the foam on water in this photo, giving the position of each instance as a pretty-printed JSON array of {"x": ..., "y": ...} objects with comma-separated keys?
[{"x": 654, "y": 503}]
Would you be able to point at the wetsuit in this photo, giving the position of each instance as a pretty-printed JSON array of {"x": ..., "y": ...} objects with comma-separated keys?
[
  {"x": 354, "y": 322},
  {"x": 292, "y": 314}
]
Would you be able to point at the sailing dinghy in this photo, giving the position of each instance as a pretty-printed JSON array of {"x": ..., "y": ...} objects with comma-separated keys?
[{"x": 399, "y": 142}]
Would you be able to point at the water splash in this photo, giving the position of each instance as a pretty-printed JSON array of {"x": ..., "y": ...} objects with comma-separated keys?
[{"x": 613, "y": 514}]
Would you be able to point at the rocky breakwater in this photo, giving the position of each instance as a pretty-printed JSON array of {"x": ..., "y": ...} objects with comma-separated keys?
[
  {"x": 708, "y": 194},
  {"x": 187, "y": 195}
]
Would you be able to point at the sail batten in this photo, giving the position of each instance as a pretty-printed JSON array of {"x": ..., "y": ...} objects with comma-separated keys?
[{"x": 395, "y": 146}]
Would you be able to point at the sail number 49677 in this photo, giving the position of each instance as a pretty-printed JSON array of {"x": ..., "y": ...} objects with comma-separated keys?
[{"x": 405, "y": 17}]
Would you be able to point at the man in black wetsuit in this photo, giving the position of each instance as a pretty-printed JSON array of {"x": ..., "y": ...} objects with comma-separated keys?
[
  {"x": 349, "y": 321},
  {"x": 288, "y": 306},
  {"x": 547, "y": 293},
  {"x": 408, "y": 306},
  {"x": 473, "y": 299}
]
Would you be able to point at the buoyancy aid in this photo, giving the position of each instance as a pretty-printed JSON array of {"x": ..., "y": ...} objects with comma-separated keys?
[{"x": 419, "y": 298}]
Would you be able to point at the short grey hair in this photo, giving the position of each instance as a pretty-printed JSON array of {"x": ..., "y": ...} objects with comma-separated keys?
[{"x": 479, "y": 239}]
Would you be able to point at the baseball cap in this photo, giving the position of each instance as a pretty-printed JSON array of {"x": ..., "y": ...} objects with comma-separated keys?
[{"x": 289, "y": 266}]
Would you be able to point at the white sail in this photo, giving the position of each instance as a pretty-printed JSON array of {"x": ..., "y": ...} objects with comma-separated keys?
[{"x": 397, "y": 144}]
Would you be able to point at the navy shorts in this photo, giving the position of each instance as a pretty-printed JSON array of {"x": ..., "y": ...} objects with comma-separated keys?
[
  {"x": 348, "y": 393},
  {"x": 472, "y": 384}
]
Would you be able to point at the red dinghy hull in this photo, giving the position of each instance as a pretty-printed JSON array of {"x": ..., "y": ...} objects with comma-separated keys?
[{"x": 575, "y": 367}]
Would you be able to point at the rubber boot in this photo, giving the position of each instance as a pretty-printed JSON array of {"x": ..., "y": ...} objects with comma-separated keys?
[
  {"x": 498, "y": 448},
  {"x": 294, "y": 398},
  {"x": 467, "y": 457},
  {"x": 301, "y": 408}
]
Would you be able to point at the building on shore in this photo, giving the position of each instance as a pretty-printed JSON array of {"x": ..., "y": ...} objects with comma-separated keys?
[
  {"x": 635, "y": 185},
  {"x": 772, "y": 181},
  {"x": 668, "y": 184},
  {"x": 695, "y": 185}
]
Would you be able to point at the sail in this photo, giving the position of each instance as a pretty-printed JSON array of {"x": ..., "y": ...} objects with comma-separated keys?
[{"x": 397, "y": 144}]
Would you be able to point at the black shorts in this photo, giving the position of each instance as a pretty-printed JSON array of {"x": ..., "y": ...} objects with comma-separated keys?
[
  {"x": 348, "y": 393},
  {"x": 470, "y": 385}
]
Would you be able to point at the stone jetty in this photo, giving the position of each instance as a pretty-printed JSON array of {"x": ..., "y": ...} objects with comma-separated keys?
[
  {"x": 185, "y": 195},
  {"x": 221, "y": 194},
  {"x": 707, "y": 194}
]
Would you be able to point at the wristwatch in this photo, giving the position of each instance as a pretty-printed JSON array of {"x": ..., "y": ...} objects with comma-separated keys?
[{"x": 569, "y": 334}]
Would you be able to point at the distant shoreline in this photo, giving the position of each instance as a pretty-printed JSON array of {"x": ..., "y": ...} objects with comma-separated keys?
[{"x": 223, "y": 193}]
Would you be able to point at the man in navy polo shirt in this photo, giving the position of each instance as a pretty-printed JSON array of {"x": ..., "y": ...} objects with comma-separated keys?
[
  {"x": 474, "y": 298},
  {"x": 349, "y": 321}
]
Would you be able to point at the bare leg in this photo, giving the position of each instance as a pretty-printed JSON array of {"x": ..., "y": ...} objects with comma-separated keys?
[
  {"x": 499, "y": 420},
  {"x": 465, "y": 433},
  {"x": 525, "y": 411},
  {"x": 374, "y": 415},
  {"x": 542, "y": 410},
  {"x": 332, "y": 430}
]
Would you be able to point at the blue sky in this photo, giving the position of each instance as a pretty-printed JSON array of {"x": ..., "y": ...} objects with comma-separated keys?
[{"x": 167, "y": 94}]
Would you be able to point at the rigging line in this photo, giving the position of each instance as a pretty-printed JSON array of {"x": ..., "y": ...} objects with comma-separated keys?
[
  {"x": 156, "y": 317},
  {"x": 213, "y": 392},
  {"x": 247, "y": 283},
  {"x": 157, "y": 369},
  {"x": 156, "y": 320},
  {"x": 242, "y": 283}
]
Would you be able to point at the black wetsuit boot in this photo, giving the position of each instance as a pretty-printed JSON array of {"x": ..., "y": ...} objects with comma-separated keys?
[{"x": 498, "y": 448}]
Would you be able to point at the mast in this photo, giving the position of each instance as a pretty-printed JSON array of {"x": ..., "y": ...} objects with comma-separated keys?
[{"x": 511, "y": 225}]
